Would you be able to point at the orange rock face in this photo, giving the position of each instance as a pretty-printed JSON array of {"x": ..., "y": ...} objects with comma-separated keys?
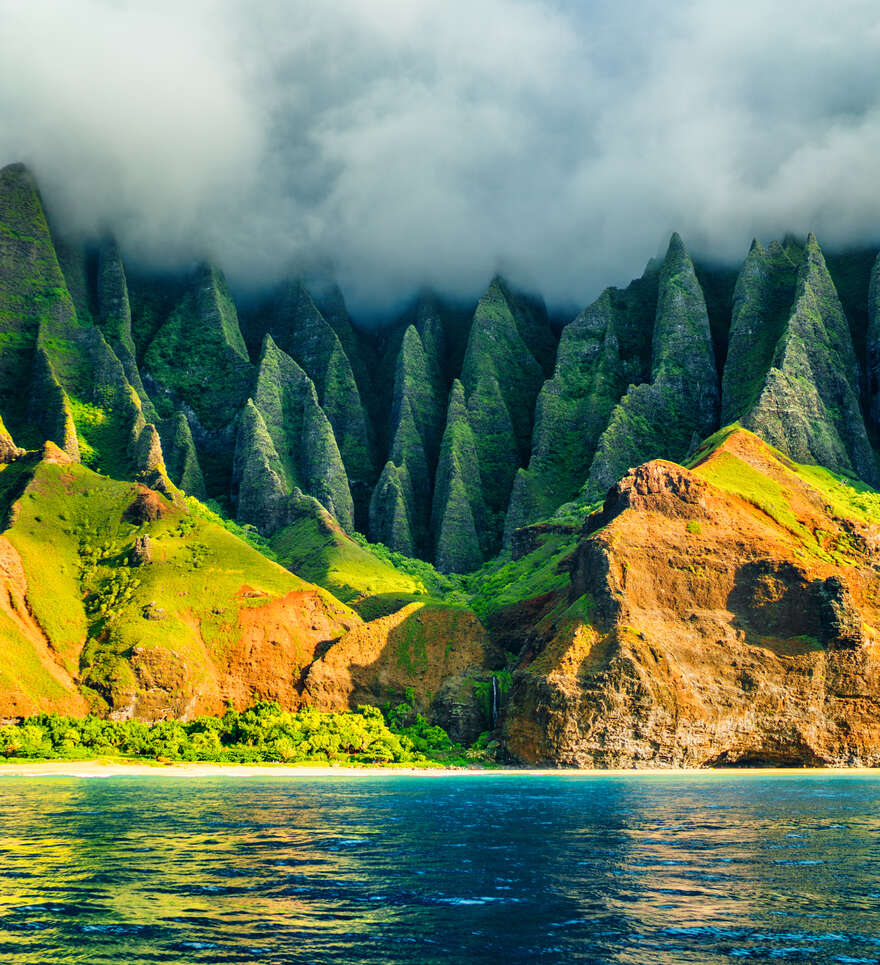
[
  {"x": 710, "y": 626},
  {"x": 278, "y": 642},
  {"x": 438, "y": 651}
]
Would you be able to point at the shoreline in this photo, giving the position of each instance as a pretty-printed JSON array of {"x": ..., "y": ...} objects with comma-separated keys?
[{"x": 107, "y": 768}]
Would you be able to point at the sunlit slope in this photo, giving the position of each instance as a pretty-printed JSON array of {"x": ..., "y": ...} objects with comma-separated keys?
[
  {"x": 145, "y": 605},
  {"x": 728, "y": 613}
]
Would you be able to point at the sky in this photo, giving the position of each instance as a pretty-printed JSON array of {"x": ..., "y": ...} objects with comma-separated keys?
[{"x": 402, "y": 143}]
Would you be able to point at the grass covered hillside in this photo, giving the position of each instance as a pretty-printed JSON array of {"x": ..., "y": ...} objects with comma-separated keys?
[
  {"x": 144, "y": 605},
  {"x": 124, "y": 602}
]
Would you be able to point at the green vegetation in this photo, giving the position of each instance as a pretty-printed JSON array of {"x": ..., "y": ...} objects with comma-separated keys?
[
  {"x": 680, "y": 404},
  {"x": 31, "y": 290},
  {"x": 179, "y": 453},
  {"x": 843, "y": 495},
  {"x": 392, "y": 507},
  {"x": 203, "y": 332},
  {"x": 483, "y": 689},
  {"x": 846, "y": 494},
  {"x": 103, "y": 440},
  {"x": 502, "y": 581},
  {"x": 212, "y": 512},
  {"x": 733, "y": 475},
  {"x": 300, "y": 330},
  {"x": 286, "y": 447},
  {"x": 342, "y": 564},
  {"x": 459, "y": 517},
  {"x": 427, "y": 578},
  {"x": 432, "y": 741},
  {"x": 605, "y": 349},
  {"x": 401, "y": 503},
  {"x": 510, "y": 353},
  {"x": 372, "y": 578},
  {"x": 58, "y": 376},
  {"x": 793, "y": 377},
  {"x": 762, "y": 303},
  {"x": 182, "y": 607},
  {"x": 263, "y": 733}
]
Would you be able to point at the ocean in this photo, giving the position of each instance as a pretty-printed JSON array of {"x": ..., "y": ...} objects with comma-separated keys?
[{"x": 710, "y": 867}]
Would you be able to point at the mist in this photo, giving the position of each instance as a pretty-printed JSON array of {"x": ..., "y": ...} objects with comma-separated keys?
[{"x": 416, "y": 143}]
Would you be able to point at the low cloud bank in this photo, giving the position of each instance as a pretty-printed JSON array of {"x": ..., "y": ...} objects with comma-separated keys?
[{"x": 437, "y": 142}]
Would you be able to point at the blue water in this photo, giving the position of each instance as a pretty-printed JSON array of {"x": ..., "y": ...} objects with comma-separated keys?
[{"x": 715, "y": 868}]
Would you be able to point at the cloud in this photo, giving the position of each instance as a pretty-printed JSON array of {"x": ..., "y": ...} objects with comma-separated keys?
[{"x": 418, "y": 141}]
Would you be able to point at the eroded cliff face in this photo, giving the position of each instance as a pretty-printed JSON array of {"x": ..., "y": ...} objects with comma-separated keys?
[
  {"x": 724, "y": 613},
  {"x": 727, "y": 614},
  {"x": 440, "y": 652},
  {"x": 118, "y": 599}
]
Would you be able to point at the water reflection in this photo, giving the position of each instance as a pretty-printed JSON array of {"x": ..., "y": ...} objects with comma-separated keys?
[{"x": 718, "y": 868}]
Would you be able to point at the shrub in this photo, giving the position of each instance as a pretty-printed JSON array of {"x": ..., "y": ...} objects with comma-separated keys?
[{"x": 263, "y": 732}]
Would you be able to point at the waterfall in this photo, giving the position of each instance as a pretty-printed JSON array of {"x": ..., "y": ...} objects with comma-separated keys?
[{"x": 494, "y": 702}]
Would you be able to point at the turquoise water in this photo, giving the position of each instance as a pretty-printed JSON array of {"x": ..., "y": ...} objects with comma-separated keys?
[{"x": 714, "y": 868}]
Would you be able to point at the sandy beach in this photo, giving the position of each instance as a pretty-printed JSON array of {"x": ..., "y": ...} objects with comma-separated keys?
[{"x": 102, "y": 768}]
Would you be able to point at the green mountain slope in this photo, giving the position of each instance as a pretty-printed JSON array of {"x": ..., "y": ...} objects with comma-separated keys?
[
  {"x": 798, "y": 386},
  {"x": 679, "y": 406},
  {"x": 601, "y": 352},
  {"x": 144, "y": 605},
  {"x": 509, "y": 354}
]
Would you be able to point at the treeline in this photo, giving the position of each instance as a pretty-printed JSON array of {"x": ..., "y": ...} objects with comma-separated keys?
[{"x": 263, "y": 733}]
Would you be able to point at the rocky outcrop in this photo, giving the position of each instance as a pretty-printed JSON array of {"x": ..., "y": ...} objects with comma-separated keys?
[
  {"x": 459, "y": 515},
  {"x": 415, "y": 426},
  {"x": 286, "y": 440},
  {"x": 77, "y": 266},
  {"x": 391, "y": 506},
  {"x": 141, "y": 554},
  {"x": 69, "y": 385},
  {"x": 603, "y": 351},
  {"x": 305, "y": 335},
  {"x": 510, "y": 353},
  {"x": 679, "y": 407},
  {"x": 440, "y": 652},
  {"x": 357, "y": 345},
  {"x": 418, "y": 387},
  {"x": 149, "y": 464},
  {"x": 840, "y": 620},
  {"x": 49, "y": 407},
  {"x": 146, "y": 507},
  {"x": 808, "y": 402},
  {"x": 431, "y": 318},
  {"x": 181, "y": 459},
  {"x": 259, "y": 489},
  {"x": 32, "y": 293},
  {"x": 115, "y": 319},
  {"x": 9, "y": 451},
  {"x": 762, "y": 301},
  {"x": 711, "y": 621},
  {"x": 203, "y": 329}
]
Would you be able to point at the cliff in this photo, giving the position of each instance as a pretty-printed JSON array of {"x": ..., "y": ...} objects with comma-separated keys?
[
  {"x": 605, "y": 349},
  {"x": 793, "y": 376},
  {"x": 679, "y": 406},
  {"x": 726, "y": 614},
  {"x": 189, "y": 487}
]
